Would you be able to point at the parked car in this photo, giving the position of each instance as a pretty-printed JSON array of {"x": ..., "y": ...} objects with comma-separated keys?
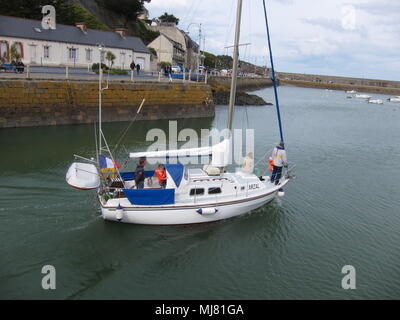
[{"x": 176, "y": 69}]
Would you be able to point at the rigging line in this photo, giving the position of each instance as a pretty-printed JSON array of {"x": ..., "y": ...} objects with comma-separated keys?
[
  {"x": 273, "y": 73},
  {"x": 128, "y": 127},
  {"x": 249, "y": 25},
  {"x": 230, "y": 26}
]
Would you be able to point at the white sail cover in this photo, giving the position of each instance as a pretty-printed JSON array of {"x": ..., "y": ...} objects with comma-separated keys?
[
  {"x": 219, "y": 153},
  {"x": 83, "y": 176}
]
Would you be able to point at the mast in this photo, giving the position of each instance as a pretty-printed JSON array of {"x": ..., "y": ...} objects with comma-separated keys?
[
  {"x": 273, "y": 74},
  {"x": 235, "y": 68},
  {"x": 100, "y": 80}
]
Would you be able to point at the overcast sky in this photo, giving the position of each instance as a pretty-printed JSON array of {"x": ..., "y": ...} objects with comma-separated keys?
[{"x": 359, "y": 38}]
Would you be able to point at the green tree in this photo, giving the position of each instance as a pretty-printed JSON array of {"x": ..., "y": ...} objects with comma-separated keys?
[
  {"x": 224, "y": 62},
  {"x": 209, "y": 60},
  {"x": 130, "y": 9},
  {"x": 153, "y": 51},
  {"x": 15, "y": 55},
  {"x": 110, "y": 57},
  {"x": 168, "y": 18},
  {"x": 163, "y": 64},
  {"x": 67, "y": 12}
]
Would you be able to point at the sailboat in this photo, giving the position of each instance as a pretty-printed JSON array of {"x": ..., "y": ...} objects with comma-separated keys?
[{"x": 191, "y": 195}]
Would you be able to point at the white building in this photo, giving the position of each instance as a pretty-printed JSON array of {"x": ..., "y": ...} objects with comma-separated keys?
[
  {"x": 174, "y": 45},
  {"x": 168, "y": 50},
  {"x": 68, "y": 45}
]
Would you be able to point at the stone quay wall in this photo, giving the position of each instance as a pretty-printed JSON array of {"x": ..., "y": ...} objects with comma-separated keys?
[{"x": 43, "y": 102}]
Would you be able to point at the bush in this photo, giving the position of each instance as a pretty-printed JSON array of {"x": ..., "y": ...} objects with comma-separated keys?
[
  {"x": 163, "y": 64},
  {"x": 95, "y": 67}
]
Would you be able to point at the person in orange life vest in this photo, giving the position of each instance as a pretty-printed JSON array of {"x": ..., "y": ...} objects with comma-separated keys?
[{"x": 162, "y": 176}]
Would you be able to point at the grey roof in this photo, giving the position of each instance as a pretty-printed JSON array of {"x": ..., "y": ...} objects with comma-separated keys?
[{"x": 25, "y": 28}]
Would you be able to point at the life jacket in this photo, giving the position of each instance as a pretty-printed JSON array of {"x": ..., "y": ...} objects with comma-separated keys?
[
  {"x": 161, "y": 175},
  {"x": 271, "y": 164}
]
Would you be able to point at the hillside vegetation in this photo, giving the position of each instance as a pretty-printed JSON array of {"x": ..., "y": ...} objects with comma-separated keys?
[{"x": 98, "y": 14}]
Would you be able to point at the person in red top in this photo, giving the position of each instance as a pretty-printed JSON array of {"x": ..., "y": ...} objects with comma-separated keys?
[{"x": 162, "y": 176}]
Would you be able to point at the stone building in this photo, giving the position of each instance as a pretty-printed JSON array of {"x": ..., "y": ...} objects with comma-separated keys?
[{"x": 169, "y": 31}]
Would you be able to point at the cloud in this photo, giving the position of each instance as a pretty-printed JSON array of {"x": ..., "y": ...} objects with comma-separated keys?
[{"x": 343, "y": 37}]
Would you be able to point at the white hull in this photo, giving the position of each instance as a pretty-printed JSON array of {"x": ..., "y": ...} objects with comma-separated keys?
[
  {"x": 185, "y": 215},
  {"x": 188, "y": 214},
  {"x": 377, "y": 101},
  {"x": 363, "y": 96}
]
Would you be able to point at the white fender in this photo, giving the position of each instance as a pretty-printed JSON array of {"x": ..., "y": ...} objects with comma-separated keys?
[
  {"x": 119, "y": 213},
  {"x": 207, "y": 210}
]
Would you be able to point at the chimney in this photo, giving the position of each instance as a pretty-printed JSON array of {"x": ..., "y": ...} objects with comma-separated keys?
[
  {"x": 82, "y": 26},
  {"x": 121, "y": 32}
]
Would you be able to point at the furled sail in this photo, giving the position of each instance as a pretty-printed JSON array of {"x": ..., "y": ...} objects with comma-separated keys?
[{"x": 215, "y": 151}]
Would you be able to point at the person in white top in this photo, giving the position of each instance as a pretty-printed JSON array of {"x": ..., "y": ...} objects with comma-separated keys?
[
  {"x": 280, "y": 160},
  {"x": 248, "y": 163}
]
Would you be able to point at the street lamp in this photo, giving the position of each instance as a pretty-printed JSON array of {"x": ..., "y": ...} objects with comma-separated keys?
[{"x": 199, "y": 54}]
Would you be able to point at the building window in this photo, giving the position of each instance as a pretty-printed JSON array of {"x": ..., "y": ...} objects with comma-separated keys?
[
  {"x": 196, "y": 192},
  {"x": 88, "y": 55},
  {"x": 4, "y": 50},
  {"x": 46, "y": 52},
  {"x": 123, "y": 60},
  {"x": 20, "y": 49},
  {"x": 72, "y": 53}
]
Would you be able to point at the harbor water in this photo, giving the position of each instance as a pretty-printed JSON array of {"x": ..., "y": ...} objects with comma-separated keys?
[{"x": 341, "y": 209}]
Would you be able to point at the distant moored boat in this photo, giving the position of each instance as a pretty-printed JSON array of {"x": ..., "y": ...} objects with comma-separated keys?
[
  {"x": 376, "y": 101},
  {"x": 363, "y": 96}
]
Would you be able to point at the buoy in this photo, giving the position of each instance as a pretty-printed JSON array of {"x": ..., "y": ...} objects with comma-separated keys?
[
  {"x": 281, "y": 193},
  {"x": 207, "y": 210},
  {"x": 119, "y": 212}
]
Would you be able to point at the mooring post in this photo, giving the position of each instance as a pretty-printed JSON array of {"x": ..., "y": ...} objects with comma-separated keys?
[
  {"x": 159, "y": 76},
  {"x": 131, "y": 75},
  {"x": 66, "y": 72},
  {"x": 27, "y": 71}
]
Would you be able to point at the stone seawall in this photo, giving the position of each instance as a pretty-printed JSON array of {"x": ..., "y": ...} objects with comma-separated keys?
[
  {"x": 285, "y": 76},
  {"x": 341, "y": 86},
  {"x": 243, "y": 83},
  {"x": 39, "y": 103}
]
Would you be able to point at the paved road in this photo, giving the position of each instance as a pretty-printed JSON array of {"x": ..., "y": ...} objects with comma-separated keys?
[{"x": 60, "y": 73}]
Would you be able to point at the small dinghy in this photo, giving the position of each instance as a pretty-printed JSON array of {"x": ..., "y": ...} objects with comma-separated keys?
[
  {"x": 83, "y": 176},
  {"x": 395, "y": 99}
]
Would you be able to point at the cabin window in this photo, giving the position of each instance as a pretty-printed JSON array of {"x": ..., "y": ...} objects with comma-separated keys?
[
  {"x": 196, "y": 192},
  {"x": 214, "y": 190}
]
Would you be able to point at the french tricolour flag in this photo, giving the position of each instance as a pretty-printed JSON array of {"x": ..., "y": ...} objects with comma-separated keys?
[{"x": 108, "y": 163}]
